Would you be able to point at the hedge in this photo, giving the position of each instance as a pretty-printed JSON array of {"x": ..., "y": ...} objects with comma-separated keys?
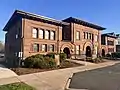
[
  {"x": 115, "y": 55},
  {"x": 39, "y": 61}
]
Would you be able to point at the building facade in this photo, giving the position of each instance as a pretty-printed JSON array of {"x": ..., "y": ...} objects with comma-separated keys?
[
  {"x": 29, "y": 34},
  {"x": 118, "y": 43},
  {"x": 108, "y": 42}
]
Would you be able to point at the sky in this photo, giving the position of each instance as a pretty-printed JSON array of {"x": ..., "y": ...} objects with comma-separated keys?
[{"x": 105, "y": 13}]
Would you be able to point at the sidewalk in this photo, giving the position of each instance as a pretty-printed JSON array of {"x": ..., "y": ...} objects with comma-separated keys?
[
  {"x": 81, "y": 62},
  {"x": 53, "y": 80},
  {"x": 6, "y": 73}
]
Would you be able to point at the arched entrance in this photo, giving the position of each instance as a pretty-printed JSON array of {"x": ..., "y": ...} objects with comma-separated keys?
[
  {"x": 67, "y": 51},
  {"x": 103, "y": 53},
  {"x": 88, "y": 51}
]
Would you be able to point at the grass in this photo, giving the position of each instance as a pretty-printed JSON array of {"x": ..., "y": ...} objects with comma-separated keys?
[
  {"x": 64, "y": 64},
  {"x": 16, "y": 86}
]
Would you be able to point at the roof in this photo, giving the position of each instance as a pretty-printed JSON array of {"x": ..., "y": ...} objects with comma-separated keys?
[
  {"x": 110, "y": 35},
  {"x": 22, "y": 14},
  {"x": 84, "y": 23}
]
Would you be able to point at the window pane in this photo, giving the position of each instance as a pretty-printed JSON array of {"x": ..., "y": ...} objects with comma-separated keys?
[
  {"x": 36, "y": 47},
  {"x": 77, "y": 35},
  {"x": 77, "y": 49},
  {"x": 44, "y": 47},
  {"x": 52, "y": 36},
  {"x": 34, "y": 33},
  {"x": 51, "y": 48},
  {"x": 95, "y": 37},
  {"x": 84, "y": 35},
  {"x": 87, "y": 35},
  {"x": 46, "y": 34},
  {"x": 41, "y": 33}
]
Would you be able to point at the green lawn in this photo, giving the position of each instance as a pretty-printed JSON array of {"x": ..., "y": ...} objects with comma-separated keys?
[{"x": 16, "y": 86}]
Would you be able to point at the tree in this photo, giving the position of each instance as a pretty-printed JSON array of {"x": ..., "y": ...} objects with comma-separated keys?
[{"x": 1, "y": 47}]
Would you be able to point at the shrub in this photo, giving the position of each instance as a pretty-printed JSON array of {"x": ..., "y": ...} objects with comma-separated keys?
[
  {"x": 29, "y": 62},
  {"x": 115, "y": 55},
  {"x": 108, "y": 55},
  {"x": 39, "y": 61},
  {"x": 49, "y": 62},
  {"x": 97, "y": 60},
  {"x": 51, "y": 55},
  {"x": 63, "y": 56}
]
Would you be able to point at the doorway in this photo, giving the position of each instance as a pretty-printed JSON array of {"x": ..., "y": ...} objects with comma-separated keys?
[
  {"x": 103, "y": 53},
  {"x": 88, "y": 51},
  {"x": 67, "y": 52}
]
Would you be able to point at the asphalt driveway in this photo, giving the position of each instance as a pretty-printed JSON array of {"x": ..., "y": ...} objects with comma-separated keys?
[{"x": 107, "y": 78}]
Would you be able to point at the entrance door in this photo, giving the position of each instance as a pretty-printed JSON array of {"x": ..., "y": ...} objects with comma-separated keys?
[
  {"x": 88, "y": 51},
  {"x": 103, "y": 53},
  {"x": 67, "y": 51}
]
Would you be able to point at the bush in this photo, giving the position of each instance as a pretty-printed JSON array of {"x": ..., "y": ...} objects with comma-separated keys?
[
  {"x": 49, "y": 62},
  {"x": 63, "y": 56},
  {"x": 29, "y": 62},
  {"x": 51, "y": 55},
  {"x": 108, "y": 55},
  {"x": 39, "y": 61},
  {"x": 115, "y": 55},
  {"x": 97, "y": 60}
]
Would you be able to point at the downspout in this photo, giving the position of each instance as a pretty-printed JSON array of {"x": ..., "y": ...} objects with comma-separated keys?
[
  {"x": 22, "y": 44},
  {"x": 74, "y": 40}
]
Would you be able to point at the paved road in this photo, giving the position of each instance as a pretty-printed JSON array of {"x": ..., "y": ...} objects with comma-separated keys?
[{"x": 107, "y": 78}]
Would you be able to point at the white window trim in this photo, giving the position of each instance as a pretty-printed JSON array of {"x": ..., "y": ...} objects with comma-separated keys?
[
  {"x": 47, "y": 34},
  {"x": 41, "y": 32},
  {"x": 52, "y": 35},
  {"x": 78, "y": 35}
]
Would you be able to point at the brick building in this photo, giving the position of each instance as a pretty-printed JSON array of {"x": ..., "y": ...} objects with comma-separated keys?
[
  {"x": 118, "y": 43},
  {"x": 28, "y": 34},
  {"x": 108, "y": 42}
]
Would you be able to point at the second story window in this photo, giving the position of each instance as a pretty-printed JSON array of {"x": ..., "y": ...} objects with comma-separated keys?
[
  {"x": 110, "y": 42},
  {"x": 52, "y": 35},
  {"x": 47, "y": 34},
  {"x": 87, "y": 35},
  {"x": 84, "y": 34},
  {"x": 90, "y": 36},
  {"x": 78, "y": 35},
  {"x": 96, "y": 37},
  {"x": 16, "y": 36},
  {"x": 41, "y": 33},
  {"x": 35, "y": 33}
]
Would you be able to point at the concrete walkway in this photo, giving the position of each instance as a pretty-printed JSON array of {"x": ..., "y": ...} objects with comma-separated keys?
[
  {"x": 53, "y": 80},
  {"x": 81, "y": 62},
  {"x": 5, "y": 72}
]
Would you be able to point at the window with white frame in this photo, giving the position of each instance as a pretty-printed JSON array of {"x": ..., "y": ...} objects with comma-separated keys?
[
  {"x": 78, "y": 35},
  {"x": 35, "y": 33},
  {"x": 41, "y": 32},
  {"x": 90, "y": 36},
  {"x": 52, "y": 35},
  {"x": 96, "y": 37},
  {"x": 51, "y": 48},
  {"x": 87, "y": 35},
  {"x": 78, "y": 49},
  {"x": 16, "y": 36},
  {"x": 36, "y": 47},
  {"x": 47, "y": 34},
  {"x": 44, "y": 47},
  {"x": 84, "y": 34}
]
